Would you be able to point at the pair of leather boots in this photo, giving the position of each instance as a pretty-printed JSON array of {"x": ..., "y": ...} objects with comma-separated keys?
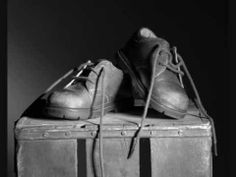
[
  {"x": 146, "y": 64},
  {"x": 146, "y": 69}
]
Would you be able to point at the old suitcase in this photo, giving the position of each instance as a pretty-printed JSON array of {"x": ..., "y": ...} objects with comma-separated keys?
[{"x": 167, "y": 148}]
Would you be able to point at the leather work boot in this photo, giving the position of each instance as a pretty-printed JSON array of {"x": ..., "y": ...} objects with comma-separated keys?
[
  {"x": 95, "y": 87},
  {"x": 149, "y": 62}
]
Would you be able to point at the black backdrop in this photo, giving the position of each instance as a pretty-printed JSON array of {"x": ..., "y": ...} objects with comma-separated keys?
[{"x": 47, "y": 38}]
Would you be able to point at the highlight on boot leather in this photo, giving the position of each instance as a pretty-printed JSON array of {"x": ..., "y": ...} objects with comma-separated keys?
[
  {"x": 83, "y": 96},
  {"x": 148, "y": 58}
]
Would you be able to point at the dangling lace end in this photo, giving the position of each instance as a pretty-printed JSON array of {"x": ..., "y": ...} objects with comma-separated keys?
[
  {"x": 215, "y": 149},
  {"x": 214, "y": 139},
  {"x": 137, "y": 134},
  {"x": 200, "y": 106},
  {"x": 133, "y": 145},
  {"x": 101, "y": 158}
]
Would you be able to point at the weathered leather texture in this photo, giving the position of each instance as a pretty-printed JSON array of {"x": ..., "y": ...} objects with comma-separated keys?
[
  {"x": 61, "y": 148},
  {"x": 147, "y": 58}
]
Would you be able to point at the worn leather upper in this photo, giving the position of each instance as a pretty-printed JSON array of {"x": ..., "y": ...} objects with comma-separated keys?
[
  {"x": 82, "y": 94},
  {"x": 141, "y": 51}
]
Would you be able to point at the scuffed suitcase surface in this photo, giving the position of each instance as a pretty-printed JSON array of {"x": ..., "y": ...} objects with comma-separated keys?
[
  {"x": 179, "y": 148},
  {"x": 181, "y": 157},
  {"x": 116, "y": 163},
  {"x": 47, "y": 158}
]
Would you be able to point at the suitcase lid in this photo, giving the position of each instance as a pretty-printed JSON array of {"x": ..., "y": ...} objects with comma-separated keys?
[{"x": 114, "y": 125}]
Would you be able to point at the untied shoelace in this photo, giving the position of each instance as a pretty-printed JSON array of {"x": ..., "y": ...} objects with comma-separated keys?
[{"x": 175, "y": 68}]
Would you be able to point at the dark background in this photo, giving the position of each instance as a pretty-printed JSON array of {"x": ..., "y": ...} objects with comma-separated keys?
[{"x": 47, "y": 38}]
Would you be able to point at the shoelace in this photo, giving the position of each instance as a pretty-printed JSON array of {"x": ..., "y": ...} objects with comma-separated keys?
[
  {"x": 174, "y": 68},
  {"x": 137, "y": 134},
  {"x": 198, "y": 99},
  {"x": 78, "y": 77},
  {"x": 199, "y": 103},
  {"x": 79, "y": 69},
  {"x": 101, "y": 156}
]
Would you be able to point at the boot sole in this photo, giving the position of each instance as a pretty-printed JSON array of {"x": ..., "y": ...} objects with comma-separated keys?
[
  {"x": 84, "y": 113},
  {"x": 167, "y": 110}
]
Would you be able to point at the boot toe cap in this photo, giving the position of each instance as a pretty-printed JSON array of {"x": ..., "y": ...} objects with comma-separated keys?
[
  {"x": 172, "y": 96},
  {"x": 67, "y": 99}
]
